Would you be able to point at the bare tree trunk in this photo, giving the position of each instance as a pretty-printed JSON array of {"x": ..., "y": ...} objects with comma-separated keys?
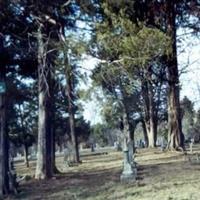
[
  {"x": 53, "y": 146},
  {"x": 152, "y": 126},
  {"x": 71, "y": 110},
  {"x": 44, "y": 161},
  {"x": 145, "y": 96},
  {"x": 53, "y": 136},
  {"x": 150, "y": 129},
  {"x": 157, "y": 107},
  {"x": 60, "y": 143},
  {"x": 132, "y": 128},
  {"x": 146, "y": 139},
  {"x": 41, "y": 168},
  {"x": 49, "y": 131},
  {"x": 70, "y": 96},
  {"x": 26, "y": 160},
  {"x": 4, "y": 157},
  {"x": 127, "y": 128},
  {"x": 128, "y": 136},
  {"x": 175, "y": 135},
  {"x": 51, "y": 102}
]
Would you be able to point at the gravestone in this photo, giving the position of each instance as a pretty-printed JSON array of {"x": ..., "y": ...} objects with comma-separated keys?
[
  {"x": 141, "y": 144},
  {"x": 191, "y": 145},
  {"x": 162, "y": 144},
  {"x": 69, "y": 154},
  {"x": 81, "y": 146},
  {"x": 66, "y": 158},
  {"x": 129, "y": 170},
  {"x": 117, "y": 146},
  {"x": 97, "y": 146}
]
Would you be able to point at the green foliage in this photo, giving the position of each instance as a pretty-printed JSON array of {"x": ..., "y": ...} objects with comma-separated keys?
[
  {"x": 22, "y": 121},
  {"x": 148, "y": 45},
  {"x": 124, "y": 47},
  {"x": 82, "y": 129},
  {"x": 121, "y": 41},
  {"x": 98, "y": 133}
]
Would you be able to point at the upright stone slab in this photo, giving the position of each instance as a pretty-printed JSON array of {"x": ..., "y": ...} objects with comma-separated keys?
[{"x": 128, "y": 174}]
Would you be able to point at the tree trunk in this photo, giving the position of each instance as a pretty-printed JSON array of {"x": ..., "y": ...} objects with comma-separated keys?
[
  {"x": 150, "y": 129},
  {"x": 132, "y": 127},
  {"x": 70, "y": 96},
  {"x": 44, "y": 161},
  {"x": 60, "y": 143},
  {"x": 175, "y": 135},
  {"x": 53, "y": 132},
  {"x": 126, "y": 129},
  {"x": 128, "y": 136},
  {"x": 4, "y": 157},
  {"x": 4, "y": 143},
  {"x": 51, "y": 60},
  {"x": 53, "y": 146},
  {"x": 71, "y": 110},
  {"x": 152, "y": 126},
  {"x": 41, "y": 168},
  {"x": 26, "y": 160},
  {"x": 146, "y": 139}
]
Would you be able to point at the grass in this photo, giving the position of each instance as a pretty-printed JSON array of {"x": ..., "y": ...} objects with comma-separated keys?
[{"x": 161, "y": 176}]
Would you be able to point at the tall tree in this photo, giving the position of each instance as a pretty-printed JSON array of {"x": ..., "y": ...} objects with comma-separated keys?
[
  {"x": 69, "y": 50},
  {"x": 123, "y": 28},
  {"x": 71, "y": 111},
  {"x": 48, "y": 23},
  {"x": 175, "y": 135},
  {"x": 44, "y": 167}
]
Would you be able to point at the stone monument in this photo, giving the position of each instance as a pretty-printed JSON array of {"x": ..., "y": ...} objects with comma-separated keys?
[{"x": 129, "y": 167}]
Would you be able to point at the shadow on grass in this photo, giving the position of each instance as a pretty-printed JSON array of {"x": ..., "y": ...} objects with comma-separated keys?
[{"x": 89, "y": 183}]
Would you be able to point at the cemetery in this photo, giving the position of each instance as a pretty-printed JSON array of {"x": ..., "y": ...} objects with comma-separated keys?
[
  {"x": 99, "y": 100},
  {"x": 160, "y": 175}
]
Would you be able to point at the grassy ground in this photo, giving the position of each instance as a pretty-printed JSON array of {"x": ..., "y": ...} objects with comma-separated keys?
[{"x": 161, "y": 176}]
